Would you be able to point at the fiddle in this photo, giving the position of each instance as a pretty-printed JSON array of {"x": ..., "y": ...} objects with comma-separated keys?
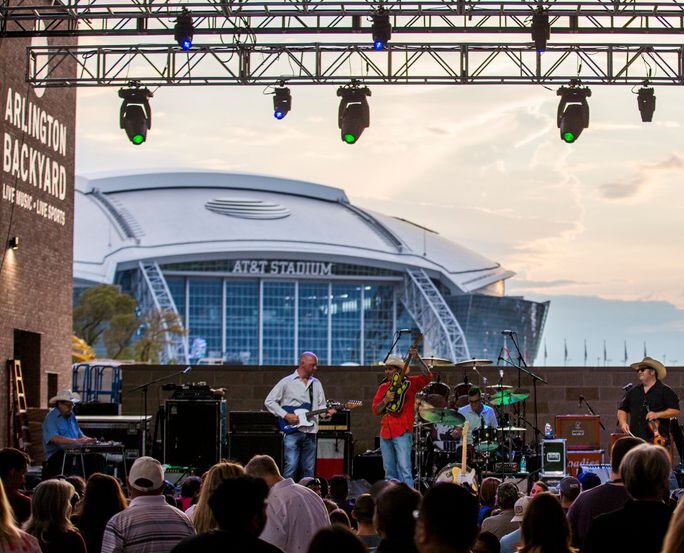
[{"x": 654, "y": 426}]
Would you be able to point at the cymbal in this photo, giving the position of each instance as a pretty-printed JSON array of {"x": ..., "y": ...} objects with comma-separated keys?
[
  {"x": 437, "y": 362},
  {"x": 442, "y": 416},
  {"x": 511, "y": 429},
  {"x": 509, "y": 397},
  {"x": 473, "y": 362},
  {"x": 499, "y": 387}
]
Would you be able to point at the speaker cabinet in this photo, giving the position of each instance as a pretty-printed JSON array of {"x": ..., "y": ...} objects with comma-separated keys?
[
  {"x": 334, "y": 453},
  {"x": 194, "y": 432},
  {"x": 245, "y": 445}
]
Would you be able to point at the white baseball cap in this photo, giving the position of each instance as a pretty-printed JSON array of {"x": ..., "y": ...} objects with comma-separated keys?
[
  {"x": 146, "y": 474},
  {"x": 520, "y": 508}
]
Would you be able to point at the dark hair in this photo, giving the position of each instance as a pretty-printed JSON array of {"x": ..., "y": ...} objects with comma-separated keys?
[
  {"x": 506, "y": 495},
  {"x": 545, "y": 526},
  {"x": 338, "y": 516},
  {"x": 488, "y": 491},
  {"x": 620, "y": 449},
  {"x": 437, "y": 514},
  {"x": 191, "y": 486},
  {"x": 490, "y": 541},
  {"x": 102, "y": 499},
  {"x": 11, "y": 458},
  {"x": 474, "y": 391},
  {"x": 325, "y": 487},
  {"x": 78, "y": 482},
  {"x": 336, "y": 539},
  {"x": 237, "y": 500},
  {"x": 339, "y": 487},
  {"x": 589, "y": 480},
  {"x": 364, "y": 508},
  {"x": 646, "y": 471},
  {"x": 394, "y": 511}
]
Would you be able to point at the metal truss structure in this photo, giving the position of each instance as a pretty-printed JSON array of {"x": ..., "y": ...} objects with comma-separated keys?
[
  {"x": 400, "y": 64},
  {"x": 157, "y": 17}
]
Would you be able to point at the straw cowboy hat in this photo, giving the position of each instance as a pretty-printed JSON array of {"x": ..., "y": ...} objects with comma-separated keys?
[
  {"x": 65, "y": 395},
  {"x": 395, "y": 361},
  {"x": 650, "y": 363}
]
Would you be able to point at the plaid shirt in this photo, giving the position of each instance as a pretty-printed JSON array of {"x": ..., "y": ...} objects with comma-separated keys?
[{"x": 393, "y": 425}]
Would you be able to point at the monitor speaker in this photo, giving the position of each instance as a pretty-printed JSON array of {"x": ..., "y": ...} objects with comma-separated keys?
[{"x": 243, "y": 446}]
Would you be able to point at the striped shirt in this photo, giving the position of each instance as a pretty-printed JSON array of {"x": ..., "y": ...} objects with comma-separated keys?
[{"x": 148, "y": 525}]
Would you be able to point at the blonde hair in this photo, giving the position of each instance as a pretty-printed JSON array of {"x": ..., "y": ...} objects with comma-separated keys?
[
  {"x": 9, "y": 533},
  {"x": 674, "y": 539},
  {"x": 645, "y": 471},
  {"x": 50, "y": 509},
  {"x": 203, "y": 518}
]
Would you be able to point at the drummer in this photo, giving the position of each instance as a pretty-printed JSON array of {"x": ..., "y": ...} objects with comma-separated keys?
[{"x": 477, "y": 414}]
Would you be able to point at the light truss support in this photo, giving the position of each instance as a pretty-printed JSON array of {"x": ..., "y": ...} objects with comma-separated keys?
[
  {"x": 210, "y": 17},
  {"x": 399, "y": 64}
]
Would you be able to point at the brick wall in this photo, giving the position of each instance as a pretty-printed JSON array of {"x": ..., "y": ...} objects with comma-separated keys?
[
  {"x": 36, "y": 279},
  {"x": 247, "y": 388}
]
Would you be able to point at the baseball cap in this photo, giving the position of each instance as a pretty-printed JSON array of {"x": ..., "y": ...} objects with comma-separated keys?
[
  {"x": 520, "y": 508},
  {"x": 146, "y": 474},
  {"x": 570, "y": 487}
]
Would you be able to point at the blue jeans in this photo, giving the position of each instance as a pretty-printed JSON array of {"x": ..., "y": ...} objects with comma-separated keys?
[
  {"x": 396, "y": 458},
  {"x": 300, "y": 453}
]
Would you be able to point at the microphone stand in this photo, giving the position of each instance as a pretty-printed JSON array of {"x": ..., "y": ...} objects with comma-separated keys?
[
  {"x": 395, "y": 340},
  {"x": 144, "y": 388},
  {"x": 586, "y": 403}
]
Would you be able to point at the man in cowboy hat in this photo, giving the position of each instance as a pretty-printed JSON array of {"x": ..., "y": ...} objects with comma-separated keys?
[
  {"x": 60, "y": 429},
  {"x": 651, "y": 400},
  {"x": 396, "y": 429}
]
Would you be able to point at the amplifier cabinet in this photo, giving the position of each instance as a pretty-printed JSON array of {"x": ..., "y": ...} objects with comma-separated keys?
[
  {"x": 578, "y": 458},
  {"x": 194, "y": 432},
  {"x": 250, "y": 422},
  {"x": 242, "y": 446},
  {"x": 334, "y": 453},
  {"x": 579, "y": 431},
  {"x": 553, "y": 458}
]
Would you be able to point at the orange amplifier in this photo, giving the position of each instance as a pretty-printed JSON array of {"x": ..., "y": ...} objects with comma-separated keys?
[
  {"x": 580, "y": 431},
  {"x": 577, "y": 458}
]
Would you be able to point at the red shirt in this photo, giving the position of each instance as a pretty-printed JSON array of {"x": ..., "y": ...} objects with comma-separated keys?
[{"x": 393, "y": 425}]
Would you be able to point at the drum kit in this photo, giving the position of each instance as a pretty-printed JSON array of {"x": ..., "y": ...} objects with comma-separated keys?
[{"x": 438, "y": 424}]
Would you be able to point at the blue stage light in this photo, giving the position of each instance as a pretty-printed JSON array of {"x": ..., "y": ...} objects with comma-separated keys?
[
  {"x": 278, "y": 114},
  {"x": 379, "y": 45},
  {"x": 186, "y": 44}
]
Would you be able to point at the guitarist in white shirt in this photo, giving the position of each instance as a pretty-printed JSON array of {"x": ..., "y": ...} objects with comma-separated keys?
[{"x": 300, "y": 387}]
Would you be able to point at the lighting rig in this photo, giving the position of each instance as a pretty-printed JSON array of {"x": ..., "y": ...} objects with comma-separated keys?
[
  {"x": 282, "y": 101},
  {"x": 135, "y": 116},
  {"x": 646, "y": 101},
  {"x": 354, "y": 113},
  {"x": 184, "y": 30},
  {"x": 381, "y": 28},
  {"x": 573, "y": 111},
  {"x": 541, "y": 29}
]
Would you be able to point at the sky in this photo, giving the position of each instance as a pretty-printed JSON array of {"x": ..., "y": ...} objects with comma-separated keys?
[{"x": 596, "y": 226}]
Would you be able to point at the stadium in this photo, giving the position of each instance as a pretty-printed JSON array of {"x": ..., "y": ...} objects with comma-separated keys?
[{"x": 260, "y": 268}]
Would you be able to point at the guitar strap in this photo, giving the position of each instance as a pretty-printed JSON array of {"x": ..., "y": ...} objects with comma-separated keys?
[{"x": 311, "y": 395}]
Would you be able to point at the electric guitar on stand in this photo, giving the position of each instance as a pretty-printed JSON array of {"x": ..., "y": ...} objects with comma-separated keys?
[
  {"x": 306, "y": 415},
  {"x": 460, "y": 474}
]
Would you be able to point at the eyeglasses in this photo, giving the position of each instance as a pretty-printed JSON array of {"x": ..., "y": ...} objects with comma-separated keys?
[{"x": 641, "y": 369}]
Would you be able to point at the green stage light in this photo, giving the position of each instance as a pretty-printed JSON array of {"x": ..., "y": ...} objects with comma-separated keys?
[
  {"x": 569, "y": 137},
  {"x": 349, "y": 138},
  {"x": 138, "y": 139}
]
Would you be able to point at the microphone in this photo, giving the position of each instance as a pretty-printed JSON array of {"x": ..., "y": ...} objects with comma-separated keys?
[
  {"x": 507, "y": 332},
  {"x": 501, "y": 374},
  {"x": 404, "y": 330},
  {"x": 187, "y": 369},
  {"x": 579, "y": 401},
  {"x": 628, "y": 387}
]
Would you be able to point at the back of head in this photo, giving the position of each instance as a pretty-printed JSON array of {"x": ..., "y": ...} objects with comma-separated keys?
[
  {"x": 262, "y": 466},
  {"x": 103, "y": 498},
  {"x": 50, "y": 508},
  {"x": 191, "y": 486},
  {"x": 238, "y": 505},
  {"x": 339, "y": 487},
  {"x": 394, "y": 512},
  {"x": 620, "y": 448},
  {"x": 336, "y": 539},
  {"x": 438, "y": 524},
  {"x": 338, "y": 516},
  {"x": 674, "y": 539},
  {"x": 488, "y": 490},
  {"x": 645, "y": 471},
  {"x": 364, "y": 509},
  {"x": 487, "y": 543},
  {"x": 506, "y": 495},
  {"x": 203, "y": 518},
  {"x": 545, "y": 526},
  {"x": 11, "y": 458}
]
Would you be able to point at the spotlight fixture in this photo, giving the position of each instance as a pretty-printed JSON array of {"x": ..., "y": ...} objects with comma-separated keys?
[
  {"x": 354, "y": 113},
  {"x": 282, "y": 101},
  {"x": 573, "y": 111},
  {"x": 541, "y": 30},
  {"x": 646, "y": 101},
  {"x": 184, "y": 30},
  {"x": 13, "y": 243},
  {"x": 135, "y": 116},
  {"x": 382, "y": 29}
]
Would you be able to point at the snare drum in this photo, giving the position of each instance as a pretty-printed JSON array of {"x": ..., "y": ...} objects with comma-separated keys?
[{"x": 485, "y": 439}]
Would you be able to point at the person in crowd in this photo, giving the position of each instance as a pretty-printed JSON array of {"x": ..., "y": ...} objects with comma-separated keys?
[
  {"x": 486, "y": 542},
  {"x": 79, "y": 484},
  {"x": 394, "y": 519},
  {"x": 13, "y": 467},
  {"x": 488, "y": 489},
  {"x": 604, "y": 498},
  {"x": 201, "y": 514},
  {"x": 12, "y": 539},
  {"x": 238, "y": 505},
  {"x": 510, "y": 542},
  {"x": 640, "y": 524},
  {"x": 295, "y": 390},
  {"x": 190, "y": 490},
  {"x": 363, "y": 514},
  {"x": 538, "y": 487},
  {"x": 437, "y": 529},
  {"x": 569, "y": 489},
  {"x": 325, "y": 487},
  {"x": 339, "y": 493},
  {"x": 49, "y": 522},
  {"x": 589, "y": 480},
  {"x": 330, "y": 505},
  {"x": 545, "y": 527},
  {"x": 501, "y": 523},
  {"x": 396, "y": 425},
  {"x": 294, "y": 513},
  {"x": 337, "y": 539},
  {"x": 313, "y": 483},
  {"x": 674, "y": 539},
  {"x": 149, "y": 524},
  {"x": 338, "y": 516},
  {"x": 102, "y": 499}
]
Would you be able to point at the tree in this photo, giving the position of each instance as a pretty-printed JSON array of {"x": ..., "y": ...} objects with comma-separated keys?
[
  {"x": 158, "y": 325},
  {"x": 119, "y": 335},
  {"x": 97, "y": 308}
]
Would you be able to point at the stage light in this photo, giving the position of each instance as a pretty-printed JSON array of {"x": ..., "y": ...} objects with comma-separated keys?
[
  {"x": 184, "y": 30},
  {"x": 541, "y": 30},
  {"x": 646, "y": 101},
  {"x": 353, "y": 115},
  {"x": 382, "y": 29},
  {"x": 135, "y": 115},
  {"x": 573, "y": 111},
  {"x": 282, "y": 102},
  {"x": 13, "y": 243}
]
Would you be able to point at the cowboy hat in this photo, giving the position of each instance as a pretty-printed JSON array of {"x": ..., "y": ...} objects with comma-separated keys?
[
  {"x": 395, "y": 361},
  {"x": 650, "y": 363},
  {"x": 65, "y": 395}
]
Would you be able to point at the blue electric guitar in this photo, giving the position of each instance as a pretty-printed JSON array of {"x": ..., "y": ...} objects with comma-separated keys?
[{"x": 305, "y": 415}]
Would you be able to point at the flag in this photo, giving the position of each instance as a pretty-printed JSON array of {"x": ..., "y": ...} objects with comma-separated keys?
[
  {"x": 626, "y": 356},
  {"x": 546, "y": 353},
  {"x": 645, "y": 354},
  {"x": 565, "y": 351},
  {"x": 605, "y": 353},
  {"x": 585, "y": 352}
]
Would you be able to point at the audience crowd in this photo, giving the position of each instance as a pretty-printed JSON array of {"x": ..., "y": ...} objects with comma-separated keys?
[{"x": 236, "y": 509}]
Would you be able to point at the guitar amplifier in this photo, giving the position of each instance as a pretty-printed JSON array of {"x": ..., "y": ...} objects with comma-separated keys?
[
  {"x": 580, "y": 431},
  {"x": 334, "y": 453},
  {"x": 553, "y": 458},
  {"x": 339, "y": 422},
  {"x": 250, "y": 422},
  {"x": 194, "y": 432}
]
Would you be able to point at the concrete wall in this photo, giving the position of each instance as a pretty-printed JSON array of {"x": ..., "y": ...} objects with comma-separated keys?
[{"x": 248, "y": 386}]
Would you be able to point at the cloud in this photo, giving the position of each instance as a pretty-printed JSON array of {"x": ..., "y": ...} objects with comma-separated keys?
[
  {"x": 626, "y": 188},
  {"x": 521, "y": 283}
]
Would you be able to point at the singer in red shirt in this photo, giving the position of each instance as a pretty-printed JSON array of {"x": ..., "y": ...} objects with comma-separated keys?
[{"x": 396, "y": 429}]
